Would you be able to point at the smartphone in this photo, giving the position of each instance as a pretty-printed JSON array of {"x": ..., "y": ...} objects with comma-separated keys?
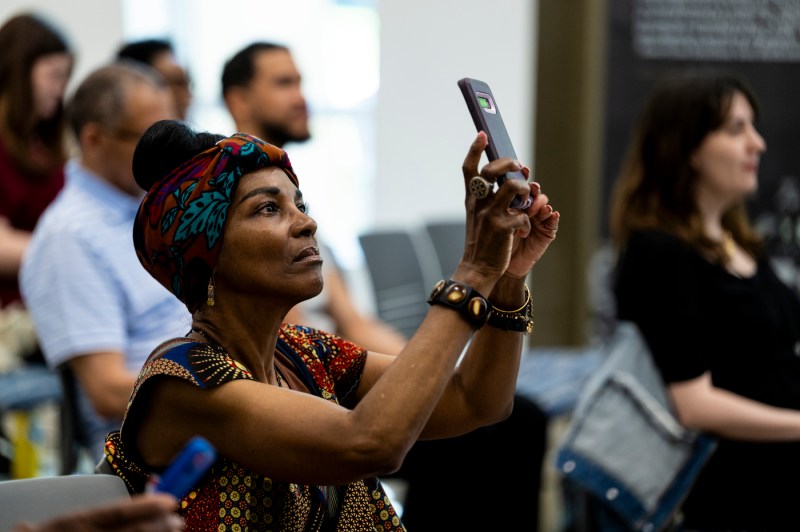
[
  {"x": 486, "y": 116},
  {"x": 186, "y": 470}
]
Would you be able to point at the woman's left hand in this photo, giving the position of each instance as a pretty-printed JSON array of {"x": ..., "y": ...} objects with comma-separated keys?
[
  {"x": 529, "y": 246},
  {"x": 528, "y": 232}
]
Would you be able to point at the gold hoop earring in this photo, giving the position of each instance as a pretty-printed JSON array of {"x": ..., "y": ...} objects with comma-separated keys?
[{"x": 210, "y": 299}]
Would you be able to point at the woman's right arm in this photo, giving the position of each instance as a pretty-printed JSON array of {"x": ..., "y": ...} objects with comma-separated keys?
[
  {"x": 296, "y": 436},
  {"x": 658, "y": 268},
  {"x": 702, "y": 406}
]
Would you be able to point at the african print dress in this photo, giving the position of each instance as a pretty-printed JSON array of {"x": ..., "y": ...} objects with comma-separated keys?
[{"x": 234, "y": 498}]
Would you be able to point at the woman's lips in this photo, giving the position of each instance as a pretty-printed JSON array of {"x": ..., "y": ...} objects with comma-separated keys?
[{"x": 309, "y": 253}]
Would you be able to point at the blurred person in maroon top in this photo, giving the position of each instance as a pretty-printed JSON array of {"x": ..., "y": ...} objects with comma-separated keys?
[{"x": 35, "y": 66}]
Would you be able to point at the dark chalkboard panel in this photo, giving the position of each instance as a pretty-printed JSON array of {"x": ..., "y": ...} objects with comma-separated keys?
[{"x": 757, "y": 39}]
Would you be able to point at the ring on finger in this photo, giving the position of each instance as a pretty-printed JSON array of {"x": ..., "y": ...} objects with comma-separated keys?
[{"x": 480, "y": 187}]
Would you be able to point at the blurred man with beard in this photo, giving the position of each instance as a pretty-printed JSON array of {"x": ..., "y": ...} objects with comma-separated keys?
[{"x": 261, "y": 89}]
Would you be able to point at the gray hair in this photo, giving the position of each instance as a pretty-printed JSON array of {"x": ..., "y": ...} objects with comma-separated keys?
[{"x": 102, "y": 97}]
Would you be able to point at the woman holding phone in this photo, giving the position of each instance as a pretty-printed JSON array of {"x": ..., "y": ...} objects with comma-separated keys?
[{"x": 304, "y": 422}]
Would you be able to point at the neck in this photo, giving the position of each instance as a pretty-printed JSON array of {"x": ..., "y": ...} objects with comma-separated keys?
[
  {"x": 253, "y": 128},
  {"x": 94, "y": 166},
  {"x": 713, "y": 228},
  {"x": 712, "y": 207},
  {"x": 246, "y": 330},
  {"x": 711, "y": 214}
]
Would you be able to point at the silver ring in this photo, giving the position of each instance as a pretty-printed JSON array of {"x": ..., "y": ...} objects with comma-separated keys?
[{"x": 480, "y": 187}]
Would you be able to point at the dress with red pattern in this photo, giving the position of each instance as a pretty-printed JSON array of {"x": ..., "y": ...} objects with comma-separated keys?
[{"x": 232, "y": 497}]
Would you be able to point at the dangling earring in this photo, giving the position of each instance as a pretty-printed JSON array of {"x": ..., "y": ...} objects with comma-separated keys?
[{"x": 210, "y": 300}]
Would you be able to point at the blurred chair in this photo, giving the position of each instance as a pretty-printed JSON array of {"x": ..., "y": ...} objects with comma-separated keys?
[
  {"x": 72, "y": 435},
  {"x": 42, "y": 498},
  {"x": 25, "y": 392},
  {"x": 447, "y": 238},
  {"x": 400, "y": 285}
]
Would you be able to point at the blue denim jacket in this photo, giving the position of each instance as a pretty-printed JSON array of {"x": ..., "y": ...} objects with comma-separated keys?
[{"x": 624, "y": 445}]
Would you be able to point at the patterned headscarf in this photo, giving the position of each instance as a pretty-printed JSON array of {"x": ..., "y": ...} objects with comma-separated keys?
[{"x": 179, "y": 227}]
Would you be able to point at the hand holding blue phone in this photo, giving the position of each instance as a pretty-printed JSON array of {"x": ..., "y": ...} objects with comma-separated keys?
[{"x": 196, "y": 458}]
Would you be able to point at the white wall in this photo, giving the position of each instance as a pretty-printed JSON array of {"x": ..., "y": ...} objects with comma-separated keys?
[
  {"x": 93, "y": 27},
  {"x": 424, "y": 129}
]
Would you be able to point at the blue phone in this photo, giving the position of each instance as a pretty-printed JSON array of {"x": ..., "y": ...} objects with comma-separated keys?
[
  {"x": 486, "y": 116},
  {"x": 191, "y": 464}
]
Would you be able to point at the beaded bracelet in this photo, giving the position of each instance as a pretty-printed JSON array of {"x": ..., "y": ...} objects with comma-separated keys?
[{"x": 519, "y": 320}]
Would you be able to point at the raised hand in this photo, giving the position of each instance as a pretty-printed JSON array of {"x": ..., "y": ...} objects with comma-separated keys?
[{"x": 500, "y": 239}]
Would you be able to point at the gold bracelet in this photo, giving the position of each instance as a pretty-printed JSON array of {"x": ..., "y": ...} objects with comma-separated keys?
[
  {"x": 520, "y": 309},
  {"x": 520, "y": 320}
]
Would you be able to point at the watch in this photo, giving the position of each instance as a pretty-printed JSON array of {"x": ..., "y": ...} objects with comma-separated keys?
[{"x": 463, "y": 299}]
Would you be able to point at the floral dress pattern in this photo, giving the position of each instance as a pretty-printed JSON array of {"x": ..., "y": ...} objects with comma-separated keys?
[{"x": 233, "y": 498}]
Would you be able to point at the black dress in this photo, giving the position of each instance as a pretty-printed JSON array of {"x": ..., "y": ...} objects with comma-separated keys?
[{"x": 697, "y": 317}]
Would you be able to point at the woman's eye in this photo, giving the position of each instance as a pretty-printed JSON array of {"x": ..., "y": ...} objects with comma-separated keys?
[
  {"x": 735, "y": 127},
  {"x": 304, "y": 208},
  {"x": 268, "y": 207}
]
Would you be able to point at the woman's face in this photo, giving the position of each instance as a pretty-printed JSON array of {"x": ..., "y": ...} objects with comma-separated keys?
[
  {"x": 269, "y": 246},
  {"x": 49, "y": 76},
  {"x": 727, "y": 159}
]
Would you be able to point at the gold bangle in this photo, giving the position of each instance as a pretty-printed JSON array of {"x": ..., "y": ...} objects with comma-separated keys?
[
  {"x": 520, "y": 309},
  {"x": 520, "y": 320}
]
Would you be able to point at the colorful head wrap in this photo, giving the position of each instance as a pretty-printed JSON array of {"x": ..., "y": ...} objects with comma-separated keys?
[{"x": 179, "y": 227}]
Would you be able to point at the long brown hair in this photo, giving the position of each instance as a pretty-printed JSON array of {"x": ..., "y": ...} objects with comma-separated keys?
[
  {"x": 656, "y": 187},
  {"x": 25, "y": 38}
]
